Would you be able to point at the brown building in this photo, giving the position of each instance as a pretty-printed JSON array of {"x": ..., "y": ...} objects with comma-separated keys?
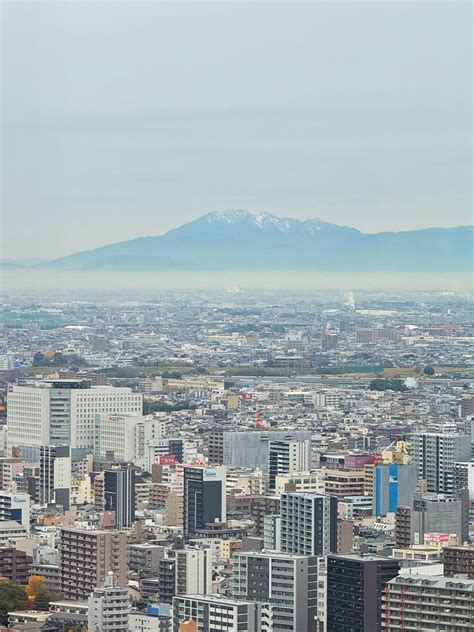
[
  {"x": 157, "y": 495},
  {"x": 342, "y": 483},
  {"x": 459, "y": 560},
  {"x": 240, "y": 506},
  {"x": 86, "y": 556},
  {"x": 402, "y": 527},
  {"x": 216, "y": 448},
  {"x": 15, "y": 565}
]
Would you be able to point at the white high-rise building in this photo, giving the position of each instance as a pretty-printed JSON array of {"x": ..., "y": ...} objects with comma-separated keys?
[
  {"x": 193, "y": 570},
  {"x": 128, "y": 436},
  {"x": 287, "y": 457},
  {"x": 435, "y": 454},
  {"x": 108, "y": 607},
  {"x": 62, "y": 412}
]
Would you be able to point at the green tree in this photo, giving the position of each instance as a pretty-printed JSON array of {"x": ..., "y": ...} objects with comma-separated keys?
[
  {"x": 428, "y": 370},
  {"x": 12, "y": 597}
]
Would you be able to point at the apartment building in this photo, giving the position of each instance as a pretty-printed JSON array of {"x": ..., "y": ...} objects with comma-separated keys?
[
  {"x": 87, "y": 556},
  {"x": 428, "y": 603}
]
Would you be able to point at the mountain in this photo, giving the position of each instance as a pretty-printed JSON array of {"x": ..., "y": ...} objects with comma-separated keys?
[{"x": 239, "y": 240}]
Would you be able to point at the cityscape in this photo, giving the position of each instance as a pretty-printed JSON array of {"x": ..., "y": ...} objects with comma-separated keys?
[
  {"x": 236, "y": 316},
  {"x": 238, "y": 461}
]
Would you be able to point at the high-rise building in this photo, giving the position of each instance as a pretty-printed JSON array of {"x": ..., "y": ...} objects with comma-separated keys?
[
  {"x": 55, "y": 475},
  {"x": 393, "y": 485},
  {"x": 62, "y": 412},
  {"x": 248, "y": 449},
  {"x": 287, "y": 585},
  {"x": 464, "y": 477},
  {"x": 287, "y": 457},
  {"x": 108, "y": 607},
  {"x": 272, "y": 532},
  {"x": 427, "y": 602},
  {"x": 119, "y": 495},
  {"x": 354, "y": 592},
  {"x": 87, "y": 556},
  {"x": 403, "y": 527},
  {"x": 308, "y": 523},
  {"x": 212, "y": 613},
  {"x": 204, "y": 498},
  {"x": 15, "y": 507},
  {"x": 185, "y": 571},
  {"x": 434, "y": 455},
  {"x": 439, "y": 513},
  {"x": 126, "y": 436}
]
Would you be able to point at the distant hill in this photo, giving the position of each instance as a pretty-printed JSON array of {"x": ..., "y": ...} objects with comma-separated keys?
[{"x": 239, "y": 240}]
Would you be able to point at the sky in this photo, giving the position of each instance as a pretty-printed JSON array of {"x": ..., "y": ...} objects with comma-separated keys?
[{"x": 123, "y": 119}]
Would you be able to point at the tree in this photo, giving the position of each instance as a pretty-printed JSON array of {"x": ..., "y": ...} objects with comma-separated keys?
[
  {"x": 12, "y": 597},
  {"x": 39, "y": 359},
  {"x": 428, "y": 370},
  {"x": 35, "y": 585}
]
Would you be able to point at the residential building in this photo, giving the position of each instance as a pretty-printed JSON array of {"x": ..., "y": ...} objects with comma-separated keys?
[
  {"x": 354, "y": 592},
  {"x": 15, "y": 565},
  {"x": 286, "y": 584},
  {"x": 459, "y": 561},
  {"x": 428, "y": 603},
  {"x": 308, "y": 523},
  {"x": 87, "y": 556},
  {"x": 108, "y": 607},
  {"x": 119, "y": 495},
  {"x": 342, "y": 483},
  {"x": 434, "y": 455},
  {"x": 287, "y": 457},
  {"x": 212, "y": 613}
]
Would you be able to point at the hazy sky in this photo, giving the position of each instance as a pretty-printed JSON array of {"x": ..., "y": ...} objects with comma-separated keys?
[{"x": 123, "y": 119}]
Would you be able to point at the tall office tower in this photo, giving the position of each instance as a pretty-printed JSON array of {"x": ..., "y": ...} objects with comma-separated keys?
[
  {"x": 87, "y": 556},
  {"x": 428, "y": 603},
  {"x": 308, "y": 523},
  {"x": 434, "y": 455},
  {"x": 248, "y": 449},
  {"x": 16, "y": 507},
  {"x": 393, "y": 485},
  {"x": 204, "y": 499},
  {"x": 439, "y": 513},
  {"x": 463, "y": 477},
  {"x": 184, "y": 572},
  {"x": 287, "y": 584},
  {"x": 354, "y": 592},
  {"x": 62, "y": 412},
  {"x": 119, "y": 495},
  {"x": 55, "y": 475},
  {"x": 287, "y": 457},
  {"x": 108, "y": 607},
  {"x": 126, "y": 436},
  {"x": 215, "y": 613}
]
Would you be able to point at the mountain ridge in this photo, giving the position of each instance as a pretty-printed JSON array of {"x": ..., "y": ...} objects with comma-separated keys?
[{"x": 235, "y": 239}]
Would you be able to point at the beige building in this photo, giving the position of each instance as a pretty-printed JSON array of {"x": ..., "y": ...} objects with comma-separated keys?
[
  {"x": 87, "y": 556},
  {"x": 342, "y": 483}
]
